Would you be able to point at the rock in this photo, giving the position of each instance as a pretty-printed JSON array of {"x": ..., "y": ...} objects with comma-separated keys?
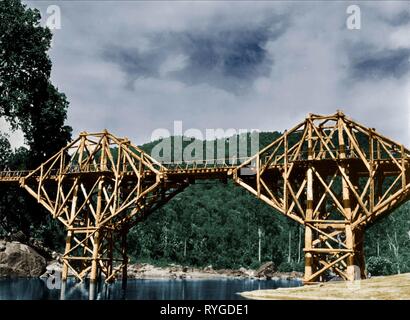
[
  {"x": 266, "y": 270},
  {"x": 41, "y": 249},
  {"x": 173, "y": 269},
  {"x": 185, "y": 269},
  {"x": 136, "y": 268},
  {"x": 245, "y": 272},
  {"x": 19, "y": 260},
  {"x": 296, "y": 274},
  {"x": 208, "y": 268},
  {"x": 57, "y": 257},
  {"x": 231, "y": 273},
  {"x": 237, "y": 274},
  {"x": 2, "y": 246},
  {"x": 53, "y": 268}
]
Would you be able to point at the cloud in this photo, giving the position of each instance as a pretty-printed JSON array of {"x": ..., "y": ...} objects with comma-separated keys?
[
  {"x": 384, "y": 64},
  {"x": 173, "y": 63},
  {"x": 225, "y": 58},
  {"x": 133, "y": 67},
  {"x": 228, "y": 59}
]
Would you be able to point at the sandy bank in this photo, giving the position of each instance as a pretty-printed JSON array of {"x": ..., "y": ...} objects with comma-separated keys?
[{"x": 395, "y": 287}]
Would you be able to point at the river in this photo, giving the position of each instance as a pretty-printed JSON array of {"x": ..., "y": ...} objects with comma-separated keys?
[{"x": 137, "y": 289}]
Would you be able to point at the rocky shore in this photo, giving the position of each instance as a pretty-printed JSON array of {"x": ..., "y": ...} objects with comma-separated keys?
[
  {"x": 22, "y": 260},
  {"x": 147, "y": 271}
]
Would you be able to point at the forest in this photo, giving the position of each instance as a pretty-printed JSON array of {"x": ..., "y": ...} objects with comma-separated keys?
[{"x": 210, "y": 223}]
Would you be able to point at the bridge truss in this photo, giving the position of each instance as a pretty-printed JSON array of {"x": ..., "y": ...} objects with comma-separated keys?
[{"x": 335, "y": 177}]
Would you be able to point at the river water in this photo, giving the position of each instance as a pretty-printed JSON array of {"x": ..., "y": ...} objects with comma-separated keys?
[{"x": 225, "y": 289}]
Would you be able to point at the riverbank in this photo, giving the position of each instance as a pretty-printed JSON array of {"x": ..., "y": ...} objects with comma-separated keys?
[
  {"x": 396, "y": 287},
  {"x": 22, "y": 260},
  {"x": 145, "y": 271}
]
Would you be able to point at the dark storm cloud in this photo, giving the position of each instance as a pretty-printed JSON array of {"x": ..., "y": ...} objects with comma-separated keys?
[
  {"x": 226, "y": 59},
  {"x": 229, "y": 60},
  {"x": 134, "y": 63},
  {"x": 381, "y": 64}
]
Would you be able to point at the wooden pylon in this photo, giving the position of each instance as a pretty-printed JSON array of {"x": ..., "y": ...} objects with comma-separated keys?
[
  {"x": 335, "y": 177},
  {"x": 98, "y": 186}
]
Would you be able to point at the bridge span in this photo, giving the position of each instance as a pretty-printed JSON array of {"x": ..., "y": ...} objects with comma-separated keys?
[{"x": 329, "y": 173}]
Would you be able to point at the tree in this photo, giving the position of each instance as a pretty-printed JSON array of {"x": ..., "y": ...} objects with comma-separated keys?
[
  {"x": 5, "y": 152},
  {"x": 30, "y": 102},
  {"x": 379, "y": 266},
  {"x": 388, "y": 239}
]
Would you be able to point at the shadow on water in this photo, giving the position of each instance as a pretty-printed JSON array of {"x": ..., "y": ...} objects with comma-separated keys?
[{"x": 137, "y": 289}]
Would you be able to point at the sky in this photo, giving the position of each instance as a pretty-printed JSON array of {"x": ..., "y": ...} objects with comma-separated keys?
[{"x": 132, "y": 66}]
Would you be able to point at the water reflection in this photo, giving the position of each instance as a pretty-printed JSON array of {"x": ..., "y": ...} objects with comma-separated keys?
[{"x": 225, "y": 289}]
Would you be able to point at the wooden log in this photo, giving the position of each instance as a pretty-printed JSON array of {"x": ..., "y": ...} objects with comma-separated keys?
[
  {"x": 308, "y": 229},
  {"x": 94, "y": 262},
  {"x": 124, "y": 258},
  {"x": 66, "y": 251}
]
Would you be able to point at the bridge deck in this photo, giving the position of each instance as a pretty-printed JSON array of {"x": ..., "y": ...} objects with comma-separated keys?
[{"x": 204, "y": 170}]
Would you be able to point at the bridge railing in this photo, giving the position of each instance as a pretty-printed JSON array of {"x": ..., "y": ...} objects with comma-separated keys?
[
  {"x": 326, "y": 155},
  {"x": 204, "y": 164},
  {"x": 13, "y": 175},
  {"x": 88, "y": 168},
  {"x": 303, "y": 155}
]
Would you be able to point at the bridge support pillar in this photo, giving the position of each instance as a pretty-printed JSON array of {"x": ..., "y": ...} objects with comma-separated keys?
[
  {"x": 124, "y": 259},
  {"x": 356, "y": 266},
  {"x": 95, "y": 253},
  {"x": 333, "y": 251},
  {"x": 66, "y": 252},
  {"x": 94, "y": 261},
  {"x": 350, "y": 244},
  {"x": 360, "y": 259},
  {"x": 308, "y": 230}
]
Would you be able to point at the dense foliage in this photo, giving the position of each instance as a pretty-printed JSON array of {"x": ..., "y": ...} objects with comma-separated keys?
[
  {"x": 29, "y": 102},
  {"x": 216, "y": 224}
]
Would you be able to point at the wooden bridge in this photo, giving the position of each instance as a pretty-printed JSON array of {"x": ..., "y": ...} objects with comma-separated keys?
[{"x": 329, "y": 173}]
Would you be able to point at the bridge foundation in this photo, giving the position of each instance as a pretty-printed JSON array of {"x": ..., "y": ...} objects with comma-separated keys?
[
  {"x": 95, "y": 254},
  {"x": 325, "y": 258}
]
